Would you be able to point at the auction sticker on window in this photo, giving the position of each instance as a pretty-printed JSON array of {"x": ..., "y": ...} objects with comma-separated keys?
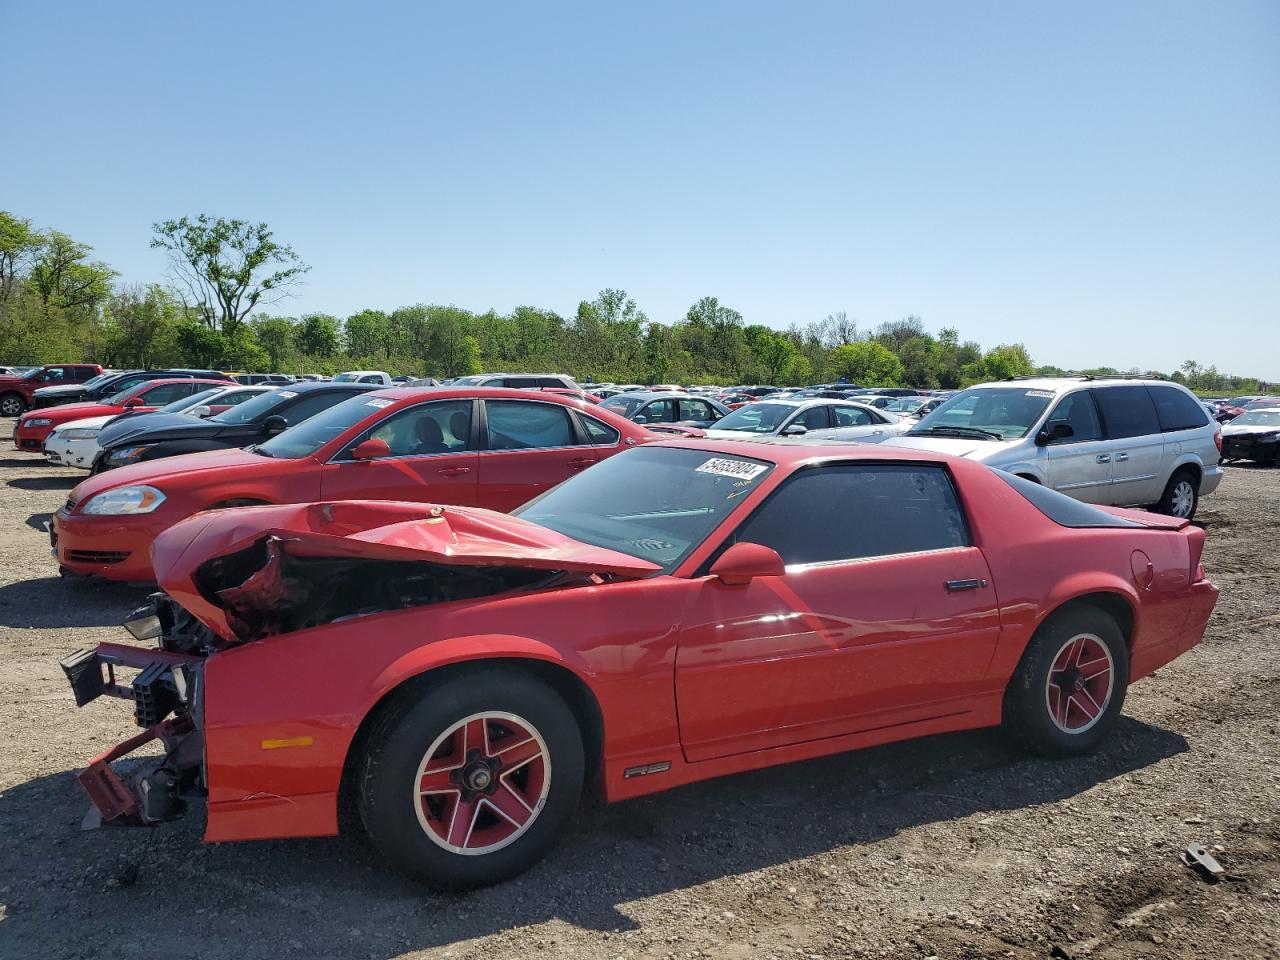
[
  {"x": 1048, "y": 394},
  {"x": 379, "y": 402},
  {"x": 737, "y": 469},
  {"x": 287, "y": 393}
]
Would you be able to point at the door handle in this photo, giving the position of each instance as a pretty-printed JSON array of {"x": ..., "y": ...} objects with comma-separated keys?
[
  {"x": 453, "y": 471},
  {"x": 954, "y": 586},
  {"x": 1121, "y": 457},
  {"x": 580, "y": 462},
  {"x": 1104, "y": 458}
]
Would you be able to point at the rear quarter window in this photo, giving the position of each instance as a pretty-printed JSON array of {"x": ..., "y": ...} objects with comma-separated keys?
[
  {"x": 1127, "y": 411},
  {"x": 1177, "y": 410}
]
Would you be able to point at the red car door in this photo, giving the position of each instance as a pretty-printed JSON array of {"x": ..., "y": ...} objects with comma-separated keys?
[
  {"x": 886, "y": 615},
  {"x": 432, "y": 458},
  {"x": 530, "y": 446}
]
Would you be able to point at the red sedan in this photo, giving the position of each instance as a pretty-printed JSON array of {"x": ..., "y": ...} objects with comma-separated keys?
[
  {"x": 34, "y": 426},
  {"x": 687, "y": 609},
  {"x": 470, "y": 446}
]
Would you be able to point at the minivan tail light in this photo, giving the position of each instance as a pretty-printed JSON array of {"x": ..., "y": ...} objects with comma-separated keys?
[
  {"x": 1217, "y": 440},
  {"x": 1195, "y": 546}
]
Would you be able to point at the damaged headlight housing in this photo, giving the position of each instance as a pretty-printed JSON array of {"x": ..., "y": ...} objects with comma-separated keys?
[
  {"x": 122, "y": 455},
  {"x": 124, "y": 500},
  {"x": 78, "y": 433}
]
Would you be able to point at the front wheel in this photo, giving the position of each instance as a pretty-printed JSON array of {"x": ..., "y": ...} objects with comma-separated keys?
[
  {"x": 1070, "y": 685},
  {"x": 12, "y": 405},
  {"x": 470, "y": 782},
  {"x": 1181, "y": 496}
]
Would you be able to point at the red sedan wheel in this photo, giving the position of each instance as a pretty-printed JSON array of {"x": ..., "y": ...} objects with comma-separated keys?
[
  {"x": 1080, "y": 683},
  {"x": 482, "y": 783}
]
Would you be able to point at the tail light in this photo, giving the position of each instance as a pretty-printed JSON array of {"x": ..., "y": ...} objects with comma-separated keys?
[
  {"x": 1217, "y": 440},
  {"x": 1195, "y": 547}
]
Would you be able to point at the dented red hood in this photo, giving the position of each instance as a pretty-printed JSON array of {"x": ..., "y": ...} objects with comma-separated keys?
[{"x": 369, "y": 529}]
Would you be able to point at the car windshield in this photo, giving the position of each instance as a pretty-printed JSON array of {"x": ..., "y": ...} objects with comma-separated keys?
[
  {"x": 192, "y": 401},
  {"x": 351, "y": 376},
  {"x": 994, "y": 413},
  {"x": 656, "y": 503},
  {"x": 252, "y": 410},
  {"x": 469, "y": 381},
  {"x": 94, "y": 381},
  {"x": 314, "y": 432},
  {"x": 757, "y": 418},
  {"x": 903, "y": 404},
  {"x": 1240, "y": 401},
  {"x": 1258, "y": 418},
  {"x": 120, "y": 396},
  {"x": 622, "y": 405}
]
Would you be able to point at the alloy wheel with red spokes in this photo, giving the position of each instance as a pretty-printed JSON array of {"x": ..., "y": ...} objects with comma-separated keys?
[
  {"x": 482, "y": 783},
  {"x": 1080, "y": 683}
]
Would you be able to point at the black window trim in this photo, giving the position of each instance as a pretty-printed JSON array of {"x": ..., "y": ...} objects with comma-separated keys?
[
  {"x": 1103, "y": 433},
  {"x": 580, "y": 429},
  {"x": 704, "y": 569}
]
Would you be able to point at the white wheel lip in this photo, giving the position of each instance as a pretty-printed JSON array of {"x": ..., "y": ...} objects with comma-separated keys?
[
  {"x": 1183, "y": 498},
  {"x": 1111, "y": 685},
  {"x": 537, "y": 807}
]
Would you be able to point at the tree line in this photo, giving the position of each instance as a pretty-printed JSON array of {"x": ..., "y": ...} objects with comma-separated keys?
[{"x": 227, "y": 277}]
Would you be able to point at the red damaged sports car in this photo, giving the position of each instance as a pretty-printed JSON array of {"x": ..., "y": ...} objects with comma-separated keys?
[{"x": 684, "y": 610}]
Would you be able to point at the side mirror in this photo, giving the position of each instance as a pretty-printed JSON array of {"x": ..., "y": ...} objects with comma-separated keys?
[
  {"x": 795, "y": 430},
  {"x": 275, "y": 424},
  {"x": 135, "y": 402},
  {"x": 201, "y": 411},
  {"x": 743, "y": 562},
  {"x": 1054, "y": 434},
  {"x": 370, "y": 449}
]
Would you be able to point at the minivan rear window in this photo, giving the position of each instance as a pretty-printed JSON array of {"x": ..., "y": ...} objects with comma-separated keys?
[{"x": 1127, "y": 411}]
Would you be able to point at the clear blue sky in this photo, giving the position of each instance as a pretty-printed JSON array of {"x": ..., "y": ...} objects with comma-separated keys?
[{"x": 1099, "y": 180}]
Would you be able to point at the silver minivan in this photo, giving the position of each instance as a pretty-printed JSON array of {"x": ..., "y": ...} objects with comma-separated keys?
[{"x": 1116, "y": 442}]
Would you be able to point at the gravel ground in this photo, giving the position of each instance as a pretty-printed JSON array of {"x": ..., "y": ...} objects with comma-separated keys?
[{"x": 954, "y": 846}]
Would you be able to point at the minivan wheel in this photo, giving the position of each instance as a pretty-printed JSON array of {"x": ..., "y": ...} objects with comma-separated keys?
[
  {"x": 11, "y": 405},
  {"x": 1181, "y": 496}
]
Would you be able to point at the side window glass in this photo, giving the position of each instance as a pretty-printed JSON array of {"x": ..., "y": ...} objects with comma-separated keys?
[
  {"x": 850, "y": 512},
  {"x": 851, "y": 417},
  {"x": 522, "y": 383},
  {"x": 551, "y": 382},
  {"x": 233, "y": 399},
  {"x": 1177, "y": 410},
  {"x": 1077, "y": 411},
  {"x": 370, "y": 379},
  {"x": 815, "y": 418},
  {"x": 311, "y": 405},
  {"x": 600, "y": 434},
  {"x": 696, "y": 410},
  {"x": 427, "y": 429},
  {"x": 1127, "y": 411},
  {"x": 54, "y": 374},
  {"x": 660, "y": 411},
  {"x": 521, "y": 425},
  {"x": 159, "y": 396}
]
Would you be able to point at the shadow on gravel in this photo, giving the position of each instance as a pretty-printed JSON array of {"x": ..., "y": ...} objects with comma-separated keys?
[
  {"x": 40, "y": 521},
  {"x": 55, "y": 602},
  {"x": 334, "y": 898},
  {"x": 44, "y": 483},
  {"x": 21, "y": 461}
]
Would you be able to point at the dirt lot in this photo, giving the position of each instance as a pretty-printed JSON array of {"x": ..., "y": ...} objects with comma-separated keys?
[{"x": 956, "y": 846}]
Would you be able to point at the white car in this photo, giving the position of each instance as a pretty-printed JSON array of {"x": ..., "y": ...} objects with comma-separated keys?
[
  {"x": 1110, "y": 441},
  {"x": 365, "y": 376},
  {"x": 816, "y": 418}
]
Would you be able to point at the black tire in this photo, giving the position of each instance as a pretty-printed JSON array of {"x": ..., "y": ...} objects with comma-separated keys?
[
  {"x": 1183, "y": 484},
  {"x": 406, "y": 731},
  {"x": 12, "y": 405},
  {"x": 1029, "y": 703}
]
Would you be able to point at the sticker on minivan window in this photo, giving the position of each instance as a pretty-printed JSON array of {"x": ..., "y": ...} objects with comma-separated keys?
[
  {"x": 737, "y": 469},
  {"x": 1047, "y": 394}
]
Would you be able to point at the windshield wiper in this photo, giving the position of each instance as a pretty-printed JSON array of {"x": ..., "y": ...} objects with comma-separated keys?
[
  {"x": 255, "y": 448},
  {"x": 957, "y": 431}
]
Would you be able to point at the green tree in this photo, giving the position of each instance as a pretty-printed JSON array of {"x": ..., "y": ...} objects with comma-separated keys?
[
  {"x": 227, "y": 268},
  {"x": 317, "y": 335},
  {"x": 368, "y": 334},
  {"x": 63, "y": 277},
  {"x": 921, "y": 362},
  {"x": 867, "y": 363},
  {"x": 19, "y": 244},
  {"x": 139, "y": 325},
  {"x": 275, "y": 336}
]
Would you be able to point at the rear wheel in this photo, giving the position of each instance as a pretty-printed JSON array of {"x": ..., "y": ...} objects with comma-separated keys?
[
  {"x": 1181, "y": 496},
  {"x": 471, "y": 782},
  {"x": 12, "y": 405},
  {"x": 1070, "y": 685}
]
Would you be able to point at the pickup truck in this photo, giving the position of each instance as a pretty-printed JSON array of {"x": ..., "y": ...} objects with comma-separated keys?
[{"x": 16, "y": 391}]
